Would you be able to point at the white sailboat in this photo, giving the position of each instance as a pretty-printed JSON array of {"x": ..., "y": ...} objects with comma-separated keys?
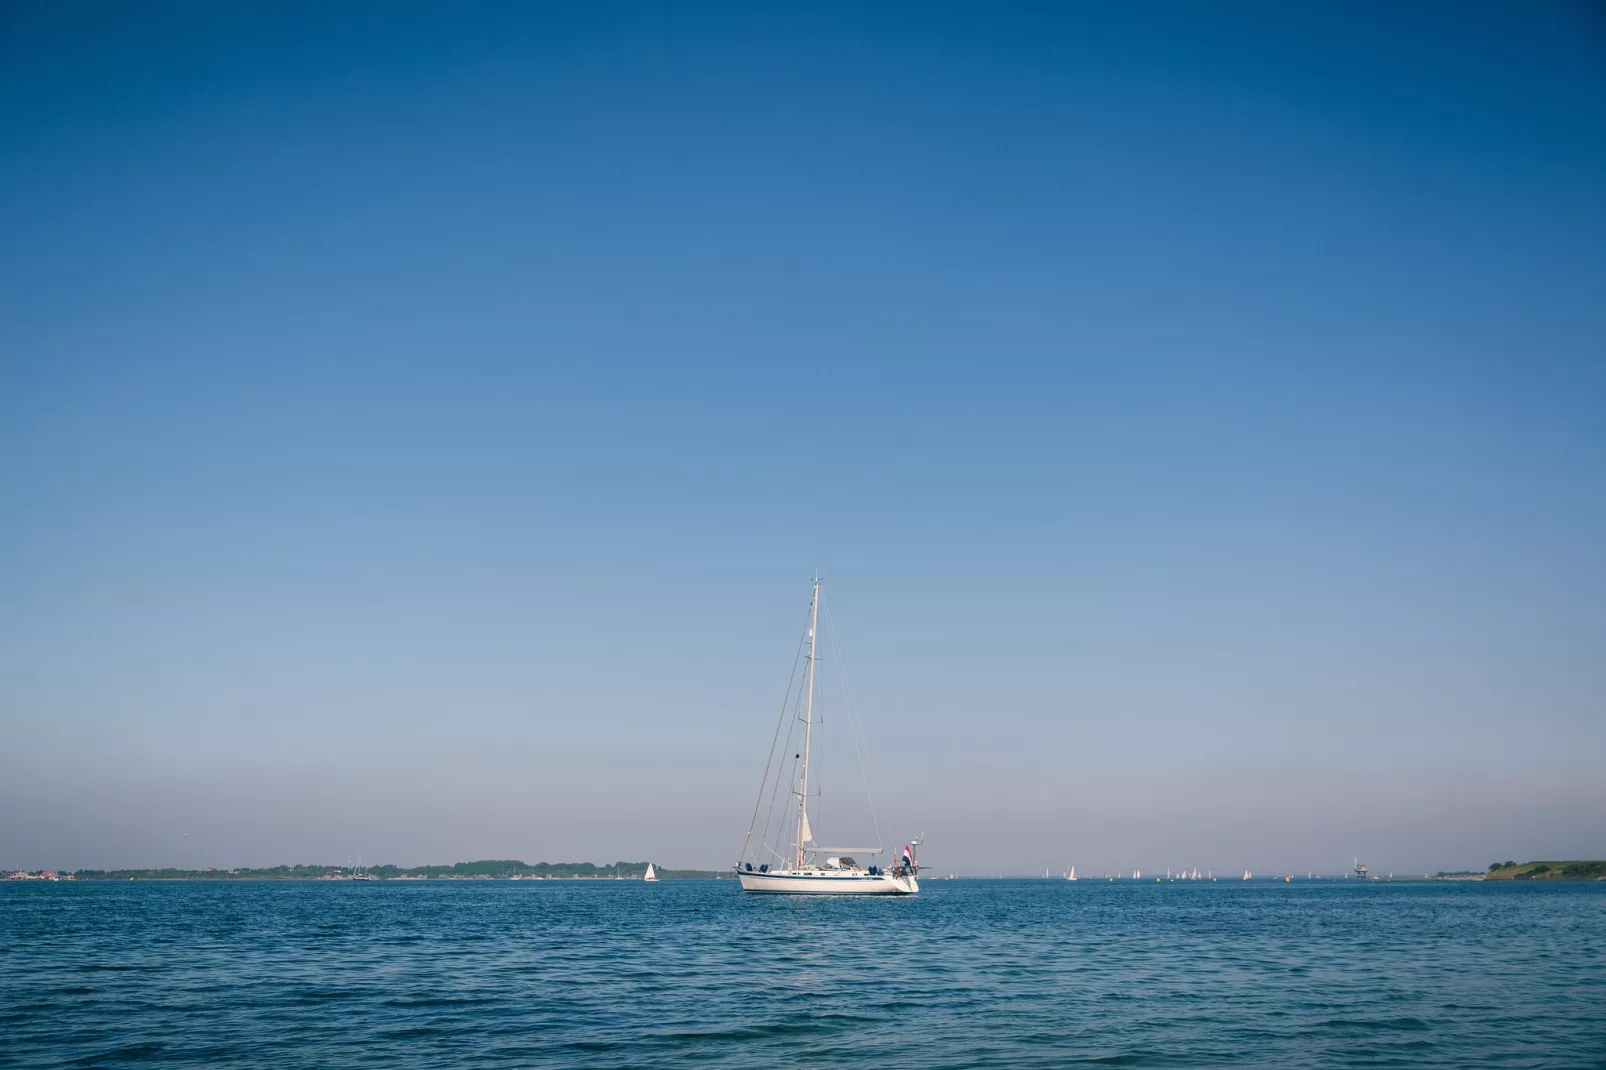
[
  {"x": 1246, "y": 874},
  {"x": 802, "y": 867},
  {"x": 652, "y": 875},
  {"x": 1071, "y": 876}
]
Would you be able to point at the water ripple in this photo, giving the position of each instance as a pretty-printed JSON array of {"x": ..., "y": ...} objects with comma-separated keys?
[{"x": 968, "y": 974}]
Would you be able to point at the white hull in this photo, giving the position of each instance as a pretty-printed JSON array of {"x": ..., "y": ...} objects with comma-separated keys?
[{"x": 811, "y": 882}]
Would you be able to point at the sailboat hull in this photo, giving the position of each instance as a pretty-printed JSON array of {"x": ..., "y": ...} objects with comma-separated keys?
[{"x": 810, "y": 882}]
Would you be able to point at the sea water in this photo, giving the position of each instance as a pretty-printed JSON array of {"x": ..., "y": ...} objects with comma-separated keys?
[{"x": 970, "y": 973}]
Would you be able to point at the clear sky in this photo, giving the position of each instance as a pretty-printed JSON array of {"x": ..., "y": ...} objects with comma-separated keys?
[{"x": 419, "y": 425}]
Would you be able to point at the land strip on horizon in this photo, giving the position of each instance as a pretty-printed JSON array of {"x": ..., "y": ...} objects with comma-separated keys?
[
  {"x": 491, "y": 869},
  {"x": 512, "y": 869}
]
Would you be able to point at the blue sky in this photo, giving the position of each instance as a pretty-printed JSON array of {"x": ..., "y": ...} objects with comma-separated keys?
[{"x": 418, "y": 427}]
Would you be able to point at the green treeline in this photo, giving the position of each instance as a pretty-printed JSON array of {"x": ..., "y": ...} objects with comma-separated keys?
[
  {"x": 490, "y": 869},
  {"x": 1546, "y": 871}
]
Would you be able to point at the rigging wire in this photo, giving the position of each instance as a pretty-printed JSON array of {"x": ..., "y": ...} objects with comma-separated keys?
[
  {"x": 796, "y": 699},
  {"x": 791, "y": 770},
  {"x": 775, "y": 790},
  {"x": 855, "y": 725},
  {"x": 817, "y": 762},
  {"x": 770, "y": 758}
]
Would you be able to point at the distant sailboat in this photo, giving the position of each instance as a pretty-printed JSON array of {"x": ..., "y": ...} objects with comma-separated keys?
[
  {"x": 1071, "y": 876},
  {"x": 652, "y": 875},
  {"x": 1246, "y": 874}
]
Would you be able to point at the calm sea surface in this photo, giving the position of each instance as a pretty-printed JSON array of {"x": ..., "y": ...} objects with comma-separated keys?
[{"x": 969, "y": 973}]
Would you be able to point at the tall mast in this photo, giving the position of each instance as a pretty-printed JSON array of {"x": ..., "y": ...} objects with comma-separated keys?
[{"x": 808, "y": 722}]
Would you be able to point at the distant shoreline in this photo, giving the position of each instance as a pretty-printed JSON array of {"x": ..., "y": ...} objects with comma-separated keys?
[
  {"x": 513, "y": 870},
  {"x": 490, "y": 869},
  {"x": 1548, "y": 871},
  {"x": 316, "y": 880}
]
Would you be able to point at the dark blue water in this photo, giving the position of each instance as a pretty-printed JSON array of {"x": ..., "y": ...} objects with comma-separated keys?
[{"x": 969, "y": 973}]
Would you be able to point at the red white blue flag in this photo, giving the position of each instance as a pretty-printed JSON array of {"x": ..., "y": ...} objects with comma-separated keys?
[{"x": 908, "y": 855}]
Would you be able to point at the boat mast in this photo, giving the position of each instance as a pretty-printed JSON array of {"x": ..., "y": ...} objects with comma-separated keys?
[{"x": 808, "y": 722}]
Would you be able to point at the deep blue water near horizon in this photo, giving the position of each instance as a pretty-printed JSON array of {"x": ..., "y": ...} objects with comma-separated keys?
[{"x": 986, "y": 973}]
